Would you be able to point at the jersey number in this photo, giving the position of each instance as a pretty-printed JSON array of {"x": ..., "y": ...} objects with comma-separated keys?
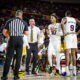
[
  {"x": 54, "y": 32},
  {"x": 72, "y": 28}
]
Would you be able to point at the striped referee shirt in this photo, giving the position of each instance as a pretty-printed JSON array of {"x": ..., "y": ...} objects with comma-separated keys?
[{"x": 16, "y": 26}]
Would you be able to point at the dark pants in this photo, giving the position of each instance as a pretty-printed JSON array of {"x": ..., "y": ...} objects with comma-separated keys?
[
  {"x": 14, "y": 43},
  {"x": 33, "y": 49}
]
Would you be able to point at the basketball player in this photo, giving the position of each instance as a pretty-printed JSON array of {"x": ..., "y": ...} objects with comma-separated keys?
[
  {"x": 70, "y": 40},
  {"x": 54, "y": 43}
]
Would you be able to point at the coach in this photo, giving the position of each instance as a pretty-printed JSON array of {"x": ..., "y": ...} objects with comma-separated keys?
[
  {"x": 16, "y": 27},
  {"x": 33, "y": 37}
]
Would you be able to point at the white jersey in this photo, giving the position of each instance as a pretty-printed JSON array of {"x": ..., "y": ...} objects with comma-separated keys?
[
  {"x": 70, "y": 40},
  {"x": 70, "y": 25},
  {"x": 55, "y": 35}
]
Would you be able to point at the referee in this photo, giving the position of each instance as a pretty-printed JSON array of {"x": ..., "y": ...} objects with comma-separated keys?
[{"x": 16, "y": 27}]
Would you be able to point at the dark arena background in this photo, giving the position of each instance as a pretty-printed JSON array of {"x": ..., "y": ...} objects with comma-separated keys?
[{"x": 40, "y": 10}]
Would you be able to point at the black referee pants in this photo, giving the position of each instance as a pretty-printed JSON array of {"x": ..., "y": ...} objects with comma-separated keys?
[
  {"x": 33, "y": 49},
  {"x": 14, "y": 43}
]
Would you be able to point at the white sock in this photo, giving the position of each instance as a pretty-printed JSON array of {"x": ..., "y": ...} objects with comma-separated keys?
[
  {"x": 58, "y": 61},
  {"x": 67, "y": 69},
  {"x": 74, "y": 69}
]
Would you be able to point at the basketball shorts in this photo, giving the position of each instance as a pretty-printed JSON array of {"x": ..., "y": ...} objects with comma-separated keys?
[
  {"x": 54, "y": 47},
  {"x": 70, "y": 41}
]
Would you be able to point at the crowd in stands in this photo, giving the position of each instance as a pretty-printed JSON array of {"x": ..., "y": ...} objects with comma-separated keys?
[{"x": 41, "y": 7}]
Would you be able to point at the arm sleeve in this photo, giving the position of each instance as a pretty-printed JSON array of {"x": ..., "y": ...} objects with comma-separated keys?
[{"x": 26, "y": 26}]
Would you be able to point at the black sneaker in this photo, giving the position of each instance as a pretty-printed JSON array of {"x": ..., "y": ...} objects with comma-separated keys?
[
  {"x": 57, "y": 72},
  {"x": 4, "y": 78},
  {"x": 33, "y": 72},
  {"x": 74, "y": 74},
  {"x": 50, "y": 70},
  {"x": 16, "y": 77},
  {"x": 27, "y": 73}
]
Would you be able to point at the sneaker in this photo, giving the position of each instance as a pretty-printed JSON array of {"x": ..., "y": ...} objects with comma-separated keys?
[
  {"x": 16, "y": 77},
  {"x": 28, "y": 73},
  {"x": 50, "y": 70},
  {"x": 63, "y": 74},
  {"x": 21, "y": 73},
  {"x": 33, "y": 72},
  {"x": 4, "y": 78},
  {"x": 74, "y": 74},
  {"x": 57, "y": 72},
  {"x": 67, "y": 74}
]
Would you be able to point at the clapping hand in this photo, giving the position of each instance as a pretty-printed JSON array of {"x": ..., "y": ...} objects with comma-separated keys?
[{"x": 53, "y": 29}]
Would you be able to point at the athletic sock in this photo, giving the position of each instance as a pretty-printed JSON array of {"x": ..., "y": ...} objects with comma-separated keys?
[
  {"x": 74, "y": 70},
  {"x": 67, "y": 71}
]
